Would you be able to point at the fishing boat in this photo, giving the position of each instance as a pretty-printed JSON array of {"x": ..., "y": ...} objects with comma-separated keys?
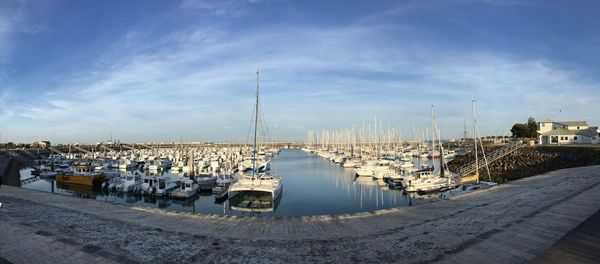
[
  {"x": 130, "y": 183},
  {"x": 166, "y": 184},
  {"x": 148, "y": 184},
  {"x": 186, "y": 189},
  {"x": 206, "y": 181},
  {"x": 83, "y": 175},
  {"x": 257, "y": 192},
  {"x": 225, "y": 179},
  {"x": 127, "y": 165}
]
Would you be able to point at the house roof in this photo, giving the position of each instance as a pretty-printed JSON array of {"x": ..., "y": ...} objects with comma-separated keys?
[
  {"x": 566, "y": 132},
  {"x": 572, "y": 123}
]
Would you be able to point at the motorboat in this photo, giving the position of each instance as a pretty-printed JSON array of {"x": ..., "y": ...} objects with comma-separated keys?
[
  {"x": 187, "y": 188},
  {"x": 83, "y": 175},
  {"x": 166, "y": 184},
  {"x": 130, "y": 183}
]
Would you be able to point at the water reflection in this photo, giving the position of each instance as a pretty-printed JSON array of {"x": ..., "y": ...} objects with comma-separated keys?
[
  {"x": 257, "y": 202},
  {"x": 314, "y": 186}
]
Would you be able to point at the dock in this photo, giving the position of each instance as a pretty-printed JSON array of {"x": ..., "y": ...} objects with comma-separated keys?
[{"x": 515, "y": 222}]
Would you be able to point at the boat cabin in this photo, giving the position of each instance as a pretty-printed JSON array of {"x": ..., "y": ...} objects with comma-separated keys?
[{"x": 83, "y": 169}]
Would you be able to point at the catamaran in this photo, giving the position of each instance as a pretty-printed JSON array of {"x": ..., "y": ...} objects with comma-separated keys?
[{"x": 258, "y": 191}]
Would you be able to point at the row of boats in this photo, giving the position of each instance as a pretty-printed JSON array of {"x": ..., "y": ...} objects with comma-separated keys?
[
  {"x": 241, "y": 174},
  {"x": 391, "y": 161},
  {"x": 395, "y": 169},
  {"x": 159, "y": 184}
]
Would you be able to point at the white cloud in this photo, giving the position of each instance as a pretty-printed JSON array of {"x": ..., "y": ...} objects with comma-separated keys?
[
  {"x": 197, "y": 81},
  {"x": 230, "y": 8}
]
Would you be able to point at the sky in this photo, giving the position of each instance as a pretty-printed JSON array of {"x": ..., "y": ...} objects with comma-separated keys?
[{"x": 140, "y": 71}]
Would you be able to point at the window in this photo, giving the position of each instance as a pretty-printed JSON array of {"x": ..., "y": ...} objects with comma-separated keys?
[
  {"x": 577, "y": 127},
  {"x": 543, "y": 124},
  {"x": 575, "y": 138}
]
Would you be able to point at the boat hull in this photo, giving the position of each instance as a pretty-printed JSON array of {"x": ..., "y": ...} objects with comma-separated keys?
[{"x": 81, "y": 179}]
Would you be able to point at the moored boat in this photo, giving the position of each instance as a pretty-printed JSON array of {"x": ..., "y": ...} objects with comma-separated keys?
[
  {"x": 186, "y": 189},
  {"x": 83, "y": 175}
]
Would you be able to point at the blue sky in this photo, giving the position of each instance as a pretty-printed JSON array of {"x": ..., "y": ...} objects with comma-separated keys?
[{"x": 161, "y": 70}]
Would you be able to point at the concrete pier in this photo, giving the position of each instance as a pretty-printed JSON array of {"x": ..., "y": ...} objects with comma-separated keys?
[{"x": 512, "y": 223}]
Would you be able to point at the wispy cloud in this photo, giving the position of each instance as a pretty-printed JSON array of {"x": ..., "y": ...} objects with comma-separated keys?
[
  {"x": 198, "y": 81},
  {"x": 194, "y": 81},
  {"x": 229, "y": 8}
]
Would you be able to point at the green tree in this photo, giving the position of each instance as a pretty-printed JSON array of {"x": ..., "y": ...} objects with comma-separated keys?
[
  {"x": 520, "y": 131},
  {"x": 532, "y": 127}
]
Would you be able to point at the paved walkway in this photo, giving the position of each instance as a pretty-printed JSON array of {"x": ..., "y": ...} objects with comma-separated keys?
[
  {"x": 508, "y": 224},
  {"x": 21, "y": 245},
  {"x": 580, "y": 245}
]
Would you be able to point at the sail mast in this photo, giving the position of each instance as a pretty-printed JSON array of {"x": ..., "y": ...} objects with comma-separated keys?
[
  {"x": 432, "y": 134},
  {"x": 255, "y": 129},
  {"x": 475, "y": 136}
]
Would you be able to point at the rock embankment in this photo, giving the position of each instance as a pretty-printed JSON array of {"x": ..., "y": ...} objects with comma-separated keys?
[
  {"x": 531, "y": 161},
  {"x": 9, "y": 169}
]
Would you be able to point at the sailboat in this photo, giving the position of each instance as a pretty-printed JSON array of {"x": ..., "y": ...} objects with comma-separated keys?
[
  {"x": 469, "y": 183},
  {"x": 427, "y": 180},
  {"x": 258, "y": 191}
]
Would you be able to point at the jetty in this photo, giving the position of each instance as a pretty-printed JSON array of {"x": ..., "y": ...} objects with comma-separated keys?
[{"x": 511, "y": 223}]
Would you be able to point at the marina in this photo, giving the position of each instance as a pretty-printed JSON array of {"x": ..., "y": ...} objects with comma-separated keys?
[
  {"x": 207, "y": 131},
  {"x": 315, "y": 186}
]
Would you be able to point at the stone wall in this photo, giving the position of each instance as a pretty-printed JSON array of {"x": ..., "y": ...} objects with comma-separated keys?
[
  {"x": 9, "y": 169},
  {"x": 531, "y": 161}
]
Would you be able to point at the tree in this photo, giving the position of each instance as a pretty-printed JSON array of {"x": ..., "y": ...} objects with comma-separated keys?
[
  {"x": 520, "y": 131},
  {"x": 532, "y": 127}
]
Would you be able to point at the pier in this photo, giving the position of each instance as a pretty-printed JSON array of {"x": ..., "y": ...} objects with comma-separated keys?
[{"x": 511, "y": 223}]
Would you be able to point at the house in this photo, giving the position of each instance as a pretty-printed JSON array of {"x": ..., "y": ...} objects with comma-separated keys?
[
  {"x": 567, "y": 132},
  {"x": 41, "y": 144}
]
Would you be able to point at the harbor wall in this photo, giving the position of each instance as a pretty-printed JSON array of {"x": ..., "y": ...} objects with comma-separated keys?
[
  {"x": 9, "y": 170},
  {"x": 532, "y": 161}
]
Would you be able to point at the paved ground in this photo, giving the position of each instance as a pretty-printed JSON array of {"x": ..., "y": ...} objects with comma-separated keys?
[
  {"x": 580, "y": 245},
  {"x": 509, "y": 224}
]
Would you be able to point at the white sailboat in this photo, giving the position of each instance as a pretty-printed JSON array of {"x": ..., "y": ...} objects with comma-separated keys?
[
  {"x": 427, "y": 180},
  {"x": 470, "y": 183},
  {"x": 257, "y": 192}
]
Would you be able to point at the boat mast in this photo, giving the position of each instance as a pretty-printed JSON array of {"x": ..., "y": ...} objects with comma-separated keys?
[
  {"x": 432, "y": 134},
  {"x": 255, "y": 128},
  {"x": 475, "y": 137}
]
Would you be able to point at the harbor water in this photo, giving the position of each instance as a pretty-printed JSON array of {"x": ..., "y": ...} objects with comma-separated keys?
[{"x": 311, "y": 186}]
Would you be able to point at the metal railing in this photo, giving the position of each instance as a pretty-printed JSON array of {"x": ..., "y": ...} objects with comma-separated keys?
[{"x": 491, "y": 157}]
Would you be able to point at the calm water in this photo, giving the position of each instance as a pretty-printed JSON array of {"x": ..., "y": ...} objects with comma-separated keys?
[{"x": 311, "y": 186}]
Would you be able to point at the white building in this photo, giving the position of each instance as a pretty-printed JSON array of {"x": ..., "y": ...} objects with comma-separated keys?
[{"x": 567, "y": 132}]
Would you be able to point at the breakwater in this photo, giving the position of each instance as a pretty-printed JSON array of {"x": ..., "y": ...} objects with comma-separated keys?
[
  {"x": 531, "y": 161},
  {"x": 11, "y": 163}
]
